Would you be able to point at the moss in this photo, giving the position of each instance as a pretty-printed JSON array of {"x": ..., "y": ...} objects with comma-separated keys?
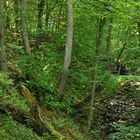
[{"x": 11, "y": 130}]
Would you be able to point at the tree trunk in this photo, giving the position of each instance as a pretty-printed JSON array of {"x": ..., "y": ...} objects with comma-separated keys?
[
  {"x": 59, "y": 18},
  {"x": 3, "y": 65},
  {"x": 40, "y": 14},
  {"x": 35, "y": 119},
  {"x": 17, "y": 17},
  {"x": 68, "y": 48},
  {"x": 7, "y": 17},
  {"x": 138, "y": 25},
  {"x": 27, "y": 119},
  {"x": 24, "y": 28},
  {"x": 108, "y": 43},
  {"x": 49, "y": 8},
  {"x": 98, "y": 45},
  {"x": 39, "y": 24},
  {"x": 47, "y": 15},
  {"x": 123, "y": 48}
]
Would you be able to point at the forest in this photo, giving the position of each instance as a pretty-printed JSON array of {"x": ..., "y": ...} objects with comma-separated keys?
[{"x": 69, "y": 70}]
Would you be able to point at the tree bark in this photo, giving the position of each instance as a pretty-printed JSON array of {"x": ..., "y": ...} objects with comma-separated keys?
[
  {"x": 40, "y": 13},
  {"x": 138, "y": 25},
  {"x": 57, "y": 27},
  {"x": 24, "y": 27},
  {"x": 123, "y": 48},
  {"x": 7, "y": 17},
  {"x": 39, "y": 23},
  {"x": 47, "y": 15},
  {"x": 98, "y": 45},
  {"x": 34, "y": 119},
  {"x": 68, "y": 48},
  {"x": 108, "y": 42},
  {"x": 17, "y": 17},
  {"x": 3, "y": 65},
  {"x": 27, "y": 119}
]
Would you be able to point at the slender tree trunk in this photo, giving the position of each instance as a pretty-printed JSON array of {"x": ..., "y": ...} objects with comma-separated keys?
[
  {"x": 68, "y": 48},
  {"x": 7, "y": 17},
  {"x": 24, "y": 28},
  {"x": 98, "y": 45},
  {"x": 138, "y": 25},
  {"x": 108, "y": 43},
  {"x": 17, "y": 12},
  {"x": 39, "y": 24},
  {"x": 53, "y": 26},
  {"x": 123, "y": 48},
  {"x": 49, "y": 8},
  {"x": 3, "y": 65},
  {"x": 59, "y": 19},
  {"x": 47, "y": 14},
  {"x": 121, "y": 52},
  {"x": 40, "y": 14}
]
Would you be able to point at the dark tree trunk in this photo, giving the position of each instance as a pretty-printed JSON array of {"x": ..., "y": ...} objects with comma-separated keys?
[
  {"x": 118, "y": 63},
  {"x": 138, "y": 24},
  {"x": 40, "y": 14},
  {"x": 24, "y": 28},
  {"x": 7, "y": 17},
  {"x": 124, "y": 46},
  {"x": 49, "y": 8},
  {"x": 47, "y": 14},
  {"x": 108, "y": 42},
  {"x": 3, "y": 65},
  {"x": 40, "y": 24},
  {"x": 59, "y": 18},
  {"x": 17, "y": 17},
  {"x": 98, "y": 45}
]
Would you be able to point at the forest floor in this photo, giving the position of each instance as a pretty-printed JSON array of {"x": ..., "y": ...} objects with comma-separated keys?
[
  {"x": 22, "y": 116},
  {"x": 117, "y": 116}
]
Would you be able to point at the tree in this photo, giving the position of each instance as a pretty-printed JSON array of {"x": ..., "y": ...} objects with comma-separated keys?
[
  {"x": 108, "y": 42},
  {"x": 40, "y": 24},
  {"x": 98, "y": 45},
  {"x": 68, "y": 48},
  {"x": 40, "y": 13},
  {"x": 124, "y": 46},
  {"x": 59, "y": 18},
  {"x": 50, "y": 6},
  {"x": 3, "y": 65},
  {"x": 24, "y": 27},
  {"x": 138, "y": 24}
]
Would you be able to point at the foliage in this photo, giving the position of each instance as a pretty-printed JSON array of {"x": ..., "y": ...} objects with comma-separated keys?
[
  {"x": 41, "y": 70},
  {"x": 125, "y": 132},
  {"x": 5, "y": 81},
  {"x": 8, "y": 93},
  {"x": 111, "y": 85},
  {"x": 10, "y": 130}
]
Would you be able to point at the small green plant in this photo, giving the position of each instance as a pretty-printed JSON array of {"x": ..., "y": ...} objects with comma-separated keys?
[
  {"x": 5, "y": 82},
  {"x": 59, "y": 123},
  {"x": 110, "y": 84},
  {"x": 11, "y": 130},
  {"x": 125, "y": 132}
]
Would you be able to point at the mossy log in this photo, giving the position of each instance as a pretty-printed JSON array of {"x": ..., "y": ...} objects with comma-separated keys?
[
  {"x": 36, "y": 112},
  {"x": 34, "y": 119},
  {"x": 22, "y": 116}
]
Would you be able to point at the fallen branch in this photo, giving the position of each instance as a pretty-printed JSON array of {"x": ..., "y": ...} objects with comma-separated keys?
[
  {"x": 22, "y": 116},
  {"x": 35, "y": 119},
  {"x": 36, "y": 112}
]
